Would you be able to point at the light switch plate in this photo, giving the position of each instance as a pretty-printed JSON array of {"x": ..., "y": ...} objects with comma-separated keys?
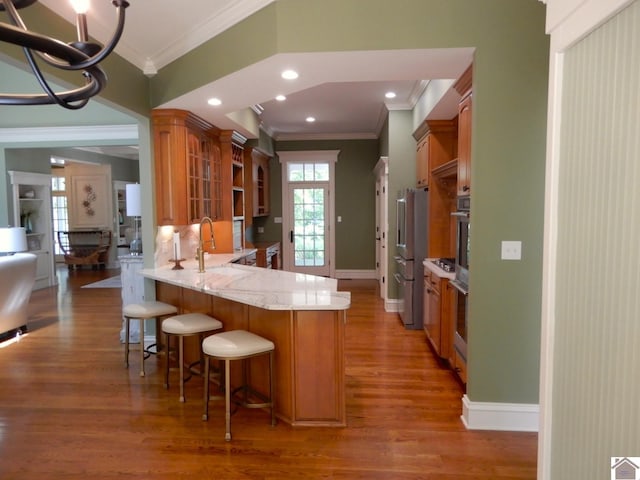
[{"x": 511, "y": 250}]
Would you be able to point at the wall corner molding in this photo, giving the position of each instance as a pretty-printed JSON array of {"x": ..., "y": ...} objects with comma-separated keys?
[{"x": 512, "y": 417}]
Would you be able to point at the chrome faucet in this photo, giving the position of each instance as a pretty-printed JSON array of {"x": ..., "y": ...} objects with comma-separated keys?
[{"x": 200, "y": 249}]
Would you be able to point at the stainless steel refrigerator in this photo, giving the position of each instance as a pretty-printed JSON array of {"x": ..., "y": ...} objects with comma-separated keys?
[{"x": 411, "y": 243}]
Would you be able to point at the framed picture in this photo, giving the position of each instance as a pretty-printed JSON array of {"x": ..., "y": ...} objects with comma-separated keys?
[{"x": 89, "y": 201}]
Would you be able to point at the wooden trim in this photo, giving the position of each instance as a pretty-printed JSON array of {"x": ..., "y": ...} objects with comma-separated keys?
[{"x": 464, "y": 83}]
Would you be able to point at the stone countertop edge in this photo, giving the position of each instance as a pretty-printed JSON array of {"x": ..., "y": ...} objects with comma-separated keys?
[{"x": 260, "y": 287}]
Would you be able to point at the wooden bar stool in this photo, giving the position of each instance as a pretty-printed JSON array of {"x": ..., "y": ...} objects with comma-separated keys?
[
  {"x": 182, "y": 326},
  {"x": 237, "y": 345},
  {"x": 143, "y": 311}
]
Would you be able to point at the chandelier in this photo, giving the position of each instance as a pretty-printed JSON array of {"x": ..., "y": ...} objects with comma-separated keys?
[{"x": 81, "y": 55}]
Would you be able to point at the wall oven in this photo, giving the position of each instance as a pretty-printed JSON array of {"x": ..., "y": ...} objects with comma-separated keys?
[{"x": 461, "y": 281}]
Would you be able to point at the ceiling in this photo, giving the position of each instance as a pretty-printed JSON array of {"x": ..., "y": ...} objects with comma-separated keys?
[{"x": 344, "y": 91}]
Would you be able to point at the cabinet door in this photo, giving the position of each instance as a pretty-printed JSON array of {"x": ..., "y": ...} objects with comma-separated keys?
[
  {"x": 432, "y": 306},
  {"x": 260, "y": 186},
  {"x": 464, "y": 146},
  {"x": 170, "y": 172},
  {"x": 434, "y": 319},
  {"x": 422, "y": 162},
  {"x": 447, "y": 305},
  {"x": 187, "y": 168}
]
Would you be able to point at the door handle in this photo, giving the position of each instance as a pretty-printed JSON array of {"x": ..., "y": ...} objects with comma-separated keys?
[{"x": 291, "y": 236}]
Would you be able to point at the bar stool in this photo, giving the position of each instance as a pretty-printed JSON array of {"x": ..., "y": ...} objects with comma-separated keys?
[
  {"x": 237, "y": 345},
  {"x": 143, "y": 311},
  {"x": 182, "y": 326}
]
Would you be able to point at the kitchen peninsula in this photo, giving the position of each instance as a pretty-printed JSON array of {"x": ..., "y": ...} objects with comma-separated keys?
[{"x": 304, "y": 315}]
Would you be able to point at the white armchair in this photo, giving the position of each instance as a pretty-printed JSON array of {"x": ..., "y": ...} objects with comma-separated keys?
[{"x": 17, "y": 276}]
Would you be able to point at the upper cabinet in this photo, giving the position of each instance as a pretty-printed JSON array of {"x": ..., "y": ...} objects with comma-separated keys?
[
  {"x": 188, "y": 168},
  {"x": 436, "y": 146},
  {"x": 260, "y": 181},
  {"x": 463, "y": 87},
  {"x": 199, "y": 172},
  {"x": 422, "y": 162},
  {"x": 230, "y": 226}
]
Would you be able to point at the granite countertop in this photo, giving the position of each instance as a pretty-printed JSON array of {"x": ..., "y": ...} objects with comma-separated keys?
[
  {"x": 428, "y": 263},
  {"x": 259, "y": 287}
]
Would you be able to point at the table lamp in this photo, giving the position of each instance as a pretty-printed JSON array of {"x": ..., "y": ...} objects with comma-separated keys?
[
  {"x": 134, "y": 209},
  {"x": 12, "y": 240}
]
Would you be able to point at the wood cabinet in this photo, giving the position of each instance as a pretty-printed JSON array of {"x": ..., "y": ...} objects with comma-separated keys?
[
  {"x": 459, "y": 366},
  {"x": 230, "y": 227},
  {"x": 310, "y": 378},
  {"x": 422, "y": 162},
  {"x": 268, "y": 255},
  {"x": 188, "y": 166},
  {"x": 436, "y": 152},
  {"x": 199, "y": 172},
  {"x": 260, "y": 183},
  {"x": 464, "y": 146},
  {"x": 437, "y": 147},
  {"x": 464, "y": 87},
  {"x": 32, "y": 210},
  {"x": 438, "y": 307}
]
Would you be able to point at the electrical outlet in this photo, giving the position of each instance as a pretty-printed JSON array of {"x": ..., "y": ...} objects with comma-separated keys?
[{"x": 511, "y": 250}]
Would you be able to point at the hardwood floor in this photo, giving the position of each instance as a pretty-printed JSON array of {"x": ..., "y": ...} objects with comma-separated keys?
[{"x": 70, "y": 410}]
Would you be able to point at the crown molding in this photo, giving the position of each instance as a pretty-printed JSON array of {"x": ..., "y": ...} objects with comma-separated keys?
[
  {"x": 72, "y": 133},
  {"x": 199, "y": 34}
]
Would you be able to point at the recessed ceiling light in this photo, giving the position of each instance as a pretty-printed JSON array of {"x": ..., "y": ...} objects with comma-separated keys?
[
  {"x": 281, "y": 98},
  {"x": 311, "y": 119},
  {"x": 289, "y": 74},
  {"x": 214, "y": 102},
  {"x": 390, "y": 94}
]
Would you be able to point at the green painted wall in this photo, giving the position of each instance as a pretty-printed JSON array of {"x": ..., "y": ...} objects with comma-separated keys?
[{"x": 402, "y": 175}]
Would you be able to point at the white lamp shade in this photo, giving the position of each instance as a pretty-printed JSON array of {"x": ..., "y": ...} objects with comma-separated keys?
[
  {"x": 13, "y": 239},
  {"x": 134, "y": 207}
]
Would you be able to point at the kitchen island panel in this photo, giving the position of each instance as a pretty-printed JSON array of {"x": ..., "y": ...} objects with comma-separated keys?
[
  {"x": 277, "y": 327},
  {"x": 319, "y": 379},
  {"x": 309, "y": 353}
]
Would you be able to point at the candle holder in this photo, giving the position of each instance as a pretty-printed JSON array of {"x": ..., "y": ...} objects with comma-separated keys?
[{"x": 177, "y": 265}]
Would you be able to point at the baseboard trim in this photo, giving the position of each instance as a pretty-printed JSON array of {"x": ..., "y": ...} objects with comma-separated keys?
[
  {"x": 513, "y": 417},
  {"x": 356, "y": 274},
  {"x": 392, "y": 305}
]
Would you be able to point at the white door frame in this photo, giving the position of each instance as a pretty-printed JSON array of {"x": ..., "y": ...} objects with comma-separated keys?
[
  {"x": 382, "y": 224},
  {"x": 328, "y": 156}
]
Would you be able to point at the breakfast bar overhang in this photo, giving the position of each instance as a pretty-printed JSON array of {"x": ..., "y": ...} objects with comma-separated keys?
[{"x": 304, "y": 315}]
